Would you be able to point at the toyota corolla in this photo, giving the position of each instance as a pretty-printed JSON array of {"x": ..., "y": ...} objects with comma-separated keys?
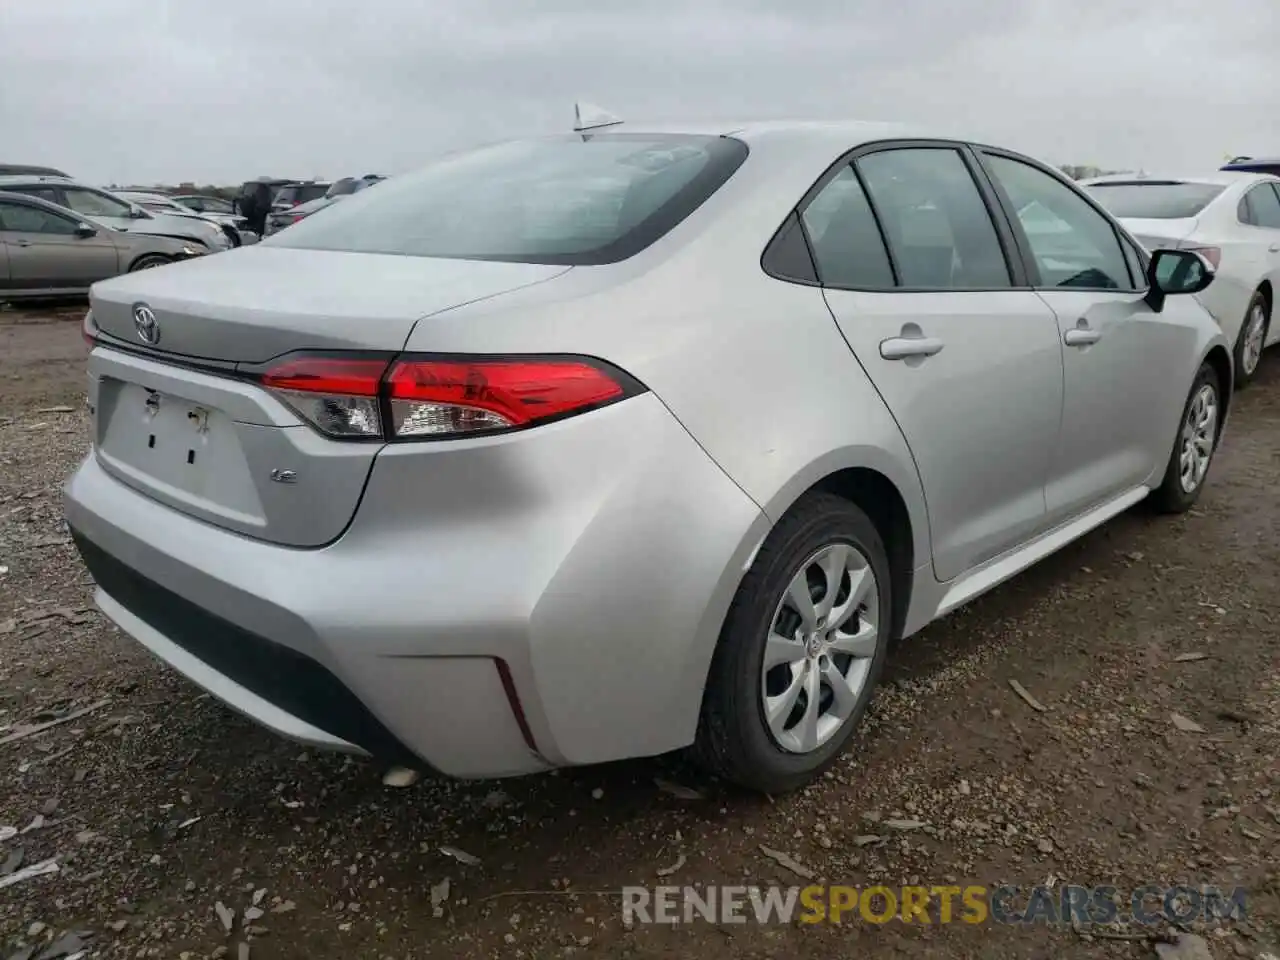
[{"x": 602, "y": 445}]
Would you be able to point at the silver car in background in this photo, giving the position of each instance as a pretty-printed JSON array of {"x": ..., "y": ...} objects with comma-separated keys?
[
  {"x": 106, "y": 208},
  {"x": 601, "y": 445},
  {"x": 49, "y": 251},
  {"x": 157, "y": 203}
]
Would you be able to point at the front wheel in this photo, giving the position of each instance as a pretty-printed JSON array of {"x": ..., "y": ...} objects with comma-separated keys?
[
  {"x": 148, "y": 261},
  {"x": 1195, "y": 446},
  {"x": 1253, "y": 334},
  {"x": 801, "y": 649}
]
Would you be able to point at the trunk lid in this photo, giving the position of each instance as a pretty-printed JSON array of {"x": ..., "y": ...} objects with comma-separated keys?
[
  {"x": 250, "y": 305},
  {"x": 1154, "y": 234},
  {"x": 216, "y": 446}
]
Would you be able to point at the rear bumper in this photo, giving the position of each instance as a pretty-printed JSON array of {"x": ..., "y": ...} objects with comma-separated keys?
[{"x": 516, "y": 603}]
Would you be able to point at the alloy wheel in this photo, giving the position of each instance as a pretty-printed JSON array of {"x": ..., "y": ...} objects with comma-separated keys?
[
  {"x": 822, "y": 640},
  {"x": 1254, "y": 332},
  {"x": 1199, "y": 434}
]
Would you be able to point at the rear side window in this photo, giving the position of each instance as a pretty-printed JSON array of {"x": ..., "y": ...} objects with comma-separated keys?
[
  {"x": 1263, "y": 207},
  {"x": 844, "y": 237},
  {"x": 563, "y": 200},
  {"x": 19, "y": 218},
  {"x": 1154, "y": 200},
  {"x": 43, "y": 193},
  {"x": 937, "y": 225}
]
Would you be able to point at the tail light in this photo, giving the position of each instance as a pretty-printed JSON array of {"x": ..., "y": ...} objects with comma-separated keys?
[
  {"x": 425, "y": 398},
  {"x": 1212, "y": 254},
  {"x": 338, "y": 396}
]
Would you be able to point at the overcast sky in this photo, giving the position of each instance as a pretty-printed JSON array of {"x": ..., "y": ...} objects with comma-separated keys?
[{"x": 147, "y": 90}]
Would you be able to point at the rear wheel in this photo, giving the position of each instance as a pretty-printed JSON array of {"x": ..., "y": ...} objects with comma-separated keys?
[
  {"x": 148, "y": 261},
  {"x": 1253, "y": 334},
  {"x": 1195, "y": 446},
  {"x": 801, "y": 649}
]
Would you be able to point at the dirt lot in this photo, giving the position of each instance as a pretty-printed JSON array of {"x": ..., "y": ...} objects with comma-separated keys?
[{"x": 161, "y": 803}]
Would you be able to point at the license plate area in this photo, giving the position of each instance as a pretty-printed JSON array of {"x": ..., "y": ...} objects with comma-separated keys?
[{"x": 186, "y": 453}]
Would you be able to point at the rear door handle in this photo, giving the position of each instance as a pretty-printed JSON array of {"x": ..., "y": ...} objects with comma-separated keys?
[
  {"x": 903, "y": 348},
  {"x": 22, "y": 243},
  {"x": 1081, "y": 337},
  {"x": 1274, "y": 248}
]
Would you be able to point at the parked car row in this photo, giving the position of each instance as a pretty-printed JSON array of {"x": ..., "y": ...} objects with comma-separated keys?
[
  {"x": 1232, "y": 218},
  {"x": 283, "y": 216},
  {"x": 603, "y": 445},
  {"x": 58, "y": 235},
  {"x": 232, "y": 224},
  {"x": 46, "y": 250}
]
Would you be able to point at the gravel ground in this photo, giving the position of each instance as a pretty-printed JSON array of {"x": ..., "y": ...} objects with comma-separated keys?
[{"x": 159, "y": 804}]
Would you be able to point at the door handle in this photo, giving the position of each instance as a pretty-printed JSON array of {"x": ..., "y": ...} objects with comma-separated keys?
[
  {"x": 1081, "y": 337},
  {"x": 904, "y": 348},
  {"x": 1274, "y": 248},
  {"x": 22, "y": 243}
]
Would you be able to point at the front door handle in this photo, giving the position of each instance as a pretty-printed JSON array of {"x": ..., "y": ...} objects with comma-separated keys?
[
  {"x": 22, "y": 243},
  {"x": 904, "y": 348},
  {"x": 1081, "y": 337},
  {"x": 1274, "y": 248}
]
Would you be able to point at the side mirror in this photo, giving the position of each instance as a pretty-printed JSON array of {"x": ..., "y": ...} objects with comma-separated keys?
[
  {"x": 196, "y": 205},
  {"x": 137, "y": 213},
  {"x": 84, "y": 231},
  {"x": 1174, "y": 272}
]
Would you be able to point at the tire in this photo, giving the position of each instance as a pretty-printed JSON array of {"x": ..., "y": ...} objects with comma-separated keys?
[
  {"x": 1253, "y": 334},
  {"x": 1173, "y": 495},
  {"x": 147, "y": 261},
  {"x": 735, "y": 739}
]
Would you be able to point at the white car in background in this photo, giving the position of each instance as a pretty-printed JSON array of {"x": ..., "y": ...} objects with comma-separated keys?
[
  {"x": 232, "y": 225},
  {"x": 1232, "y": 218}
]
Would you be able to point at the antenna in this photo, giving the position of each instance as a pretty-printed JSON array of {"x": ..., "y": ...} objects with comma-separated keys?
[{"x": 587, "y": 116}]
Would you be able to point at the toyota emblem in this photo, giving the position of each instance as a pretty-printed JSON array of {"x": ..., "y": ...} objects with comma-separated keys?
[{"x": 145, "y": 322}]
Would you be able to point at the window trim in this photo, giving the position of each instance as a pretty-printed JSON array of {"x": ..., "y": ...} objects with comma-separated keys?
[
  {"x": 982, "y": 151},
  {"x": 1014, "y": 261}
]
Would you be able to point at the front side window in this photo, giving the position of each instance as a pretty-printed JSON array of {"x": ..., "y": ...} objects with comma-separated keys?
[
  {"x": 94, "y": 204},
  {"x": 1264, "y": 206},
  {"x": 560, "y": 200},
  {"x": 844, "y": 237},
  {"x": 1072, "y": 244},
  {"x": 20, "y": 218},
  {"x": 937, "y": 226}
]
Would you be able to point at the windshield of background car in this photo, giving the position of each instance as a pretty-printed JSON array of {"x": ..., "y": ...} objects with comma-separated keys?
[
  {"x": 1154, "y": 199},
  {"x": 565, "y": 200}
]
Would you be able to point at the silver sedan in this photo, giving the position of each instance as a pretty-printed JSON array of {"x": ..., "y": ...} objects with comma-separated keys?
[
  {"x": 606, "y": 444},
  {"x": 49, "y": 251}
]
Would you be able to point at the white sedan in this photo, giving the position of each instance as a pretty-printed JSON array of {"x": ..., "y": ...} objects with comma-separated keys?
[{"x": 1234, "y": 220}]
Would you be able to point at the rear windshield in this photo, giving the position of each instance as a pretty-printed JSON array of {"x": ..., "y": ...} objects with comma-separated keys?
[
  {"x": 1154, "y": 199},
  {"x": 563, "y": 200},
  {"x": 310, "y": 191}
]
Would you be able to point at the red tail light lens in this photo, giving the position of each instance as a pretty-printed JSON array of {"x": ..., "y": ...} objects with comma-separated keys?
[
  {"x": 1212, "y": 254},
  {"x": 337, "y": 396},
  {"x": 433, "y": 398},
  {"x": 436, "y": 398}
]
